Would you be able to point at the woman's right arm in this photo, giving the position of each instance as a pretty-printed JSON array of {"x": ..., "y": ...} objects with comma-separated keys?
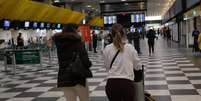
[{"x": 136, "y": 60}]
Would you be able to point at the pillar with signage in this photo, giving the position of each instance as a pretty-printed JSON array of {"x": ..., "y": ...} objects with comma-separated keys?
[{"x": 86, "y": 35}]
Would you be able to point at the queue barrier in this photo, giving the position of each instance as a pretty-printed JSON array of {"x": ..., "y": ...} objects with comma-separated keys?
[{"x": 22, "y": 56}]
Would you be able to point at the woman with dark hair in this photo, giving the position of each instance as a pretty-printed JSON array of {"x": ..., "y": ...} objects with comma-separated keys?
[
  {"x": 68, "y": 42},
  {"x": 120, "y": 59}
]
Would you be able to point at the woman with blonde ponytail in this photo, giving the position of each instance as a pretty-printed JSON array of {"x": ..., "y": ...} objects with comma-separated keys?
[{"x": 120, "y": 59}]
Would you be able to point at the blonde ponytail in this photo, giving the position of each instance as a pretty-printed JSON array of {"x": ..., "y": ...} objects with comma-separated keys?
[{"x": 117, "y": 32}]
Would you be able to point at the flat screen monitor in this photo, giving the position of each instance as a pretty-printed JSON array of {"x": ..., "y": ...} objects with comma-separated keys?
[
  {"x": 58, "y": 26},
  {"x": 35, "y": 25},
  {"x": 110, "y": 19},
  {"x": 48, "y": 25},
  {"x": 6, "y": 24},
  {"x": 26, "y": 24},
  {"x": 105, "y": 18},
  {"x": 53, "y": 26},
  {"x": 136, "y": 18},
  {"x": 42, "y": 25}
]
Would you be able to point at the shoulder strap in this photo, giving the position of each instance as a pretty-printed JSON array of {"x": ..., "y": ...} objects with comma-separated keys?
[{"x": 114, "y": 58}]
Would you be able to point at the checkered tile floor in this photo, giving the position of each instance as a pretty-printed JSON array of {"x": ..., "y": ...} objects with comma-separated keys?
[{"x": 169, "y": 76}]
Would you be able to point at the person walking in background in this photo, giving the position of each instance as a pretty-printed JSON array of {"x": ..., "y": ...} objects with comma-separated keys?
[
  {"x": 68, "y": 43},
  {"x": 151, "y": 35},
  {"x": 168, "y": 34},
  {"x": 195, "y": 34},
  {"x": 20, "y": 41},
  {"x": 130, "y": 37},
  {"x": 136, "y": 40},
  {"x": 120, "y": 58},
  {"x": 95, "y": 40}
]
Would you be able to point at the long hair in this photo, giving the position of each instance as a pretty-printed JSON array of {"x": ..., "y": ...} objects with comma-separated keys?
[{"x": 118, "y": 34}]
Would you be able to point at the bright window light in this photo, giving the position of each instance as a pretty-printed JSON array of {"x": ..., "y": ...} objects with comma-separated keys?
[{"x": 152, "y": 18}]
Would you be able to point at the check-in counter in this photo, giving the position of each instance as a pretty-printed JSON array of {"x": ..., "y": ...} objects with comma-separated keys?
[{"x": 21, "y": 57}]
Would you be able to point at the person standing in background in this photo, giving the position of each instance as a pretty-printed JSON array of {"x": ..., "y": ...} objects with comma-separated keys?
[
  {"x": 95, "y": 40},
  {"x": 195, "y": 34},
  {"x": 130, "y": 37},
  {"x": 20, "y": 41},
  {"x": 168, "y": 33},
  {"x": 151, "y": 35},
  {"x": 102, "y": 40},
  {"x": 158, "y": 31}
]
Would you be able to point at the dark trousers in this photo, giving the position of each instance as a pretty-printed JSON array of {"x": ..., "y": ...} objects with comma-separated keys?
[
  {"x": 120, "y": 90},
  {"x": 94, "y": 46},
  {"x": 137, "y": 45},
  {"x": 195, "y": 46},
  {"x": 151, "y": 46}
]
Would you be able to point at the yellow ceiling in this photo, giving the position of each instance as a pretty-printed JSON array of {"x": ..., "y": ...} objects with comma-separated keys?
[{"x": 34, "y": 11}]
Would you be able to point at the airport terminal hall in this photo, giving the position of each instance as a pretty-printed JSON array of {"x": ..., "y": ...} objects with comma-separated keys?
[{"x": 100, "y": 50}]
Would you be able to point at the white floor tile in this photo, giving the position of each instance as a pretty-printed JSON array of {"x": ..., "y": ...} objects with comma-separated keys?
[
  {"x": 195, "y": 81},
  {"x": 39, "y": 89},
  {"x": 177, "y": 78},
  {"x": 181, "y": 86},
  {"x": 193, "y": 74},
  {"x": 155, "y": 82},
  {"x": 186, "y": 98},
  {"x": 52, "y": 94},
  {"x": 159, "y": 92},
  {"x": 21, "y": 99},
  {"x": 8, "y": 95},
  {"x": 98, "y": 94}
]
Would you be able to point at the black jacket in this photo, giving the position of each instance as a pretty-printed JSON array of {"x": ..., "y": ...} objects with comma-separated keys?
[
  {"x": 66, "y": 44},
  {"x": 151, "y": 35}
]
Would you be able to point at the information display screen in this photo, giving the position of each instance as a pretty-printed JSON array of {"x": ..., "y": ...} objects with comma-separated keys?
[
  {"x": 58, "y": 26},
  {"x": 110, "y": 19},
  {"x": 6, "y": 24},
  {"x": 26, "y": 24},
  {"x": 42, "y": 25},
  {"x": 135, "y": 18},
  {"x": 35, "y": 25},
  {"x": 48, "y": 25}
]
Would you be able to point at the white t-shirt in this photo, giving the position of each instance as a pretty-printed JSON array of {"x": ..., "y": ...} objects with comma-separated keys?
[{"x": 124, "y": 64}]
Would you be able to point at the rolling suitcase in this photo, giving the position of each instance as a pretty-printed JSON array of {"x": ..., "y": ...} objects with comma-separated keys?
[
  {"x": 139, "y": 85},
  {"x": 140, "y": 94}
]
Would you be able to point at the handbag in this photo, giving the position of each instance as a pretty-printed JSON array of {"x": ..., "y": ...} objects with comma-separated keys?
[
  {"x": 78, "y": 69},
  {"x": 139, "y": 75}
]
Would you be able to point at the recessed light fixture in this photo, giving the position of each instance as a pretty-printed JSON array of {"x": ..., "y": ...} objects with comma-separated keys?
[
  {"x": 126, "y": 4},
  {"x": 102, "y": 1},
  {"x": 89, "y": 6},
  {"x": 123, "y": 0},
  {"x": 56, "y": 0}
]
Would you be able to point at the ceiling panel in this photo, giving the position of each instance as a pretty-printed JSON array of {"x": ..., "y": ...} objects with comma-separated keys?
[
  {"x": 123, "y": 7},
  {"x": 158, "y": 7}
]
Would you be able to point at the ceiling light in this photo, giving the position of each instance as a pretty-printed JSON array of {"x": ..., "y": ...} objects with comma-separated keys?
[
  {"x": 126, "y": 4},
  {"x": 56, "y": 0},
  {"x": 88, "y": 6},
  {"x": 123, "y": 0},
  {"x": 102, "y": 1}
]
